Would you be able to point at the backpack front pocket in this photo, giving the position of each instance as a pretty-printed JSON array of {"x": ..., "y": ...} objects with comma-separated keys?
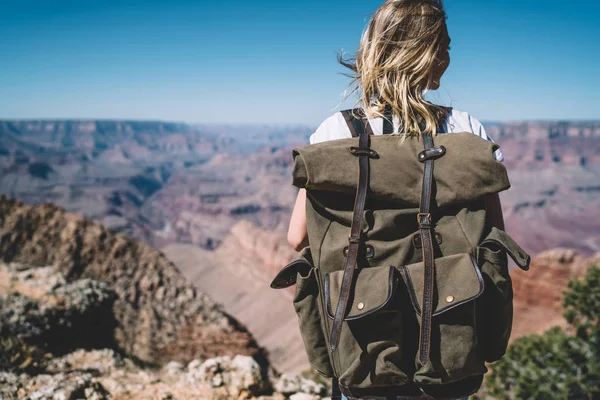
[
  {"x": 370, "y": 350},
  {"x": 306, "y": 303},
  {"x": 453, "y": 341}
]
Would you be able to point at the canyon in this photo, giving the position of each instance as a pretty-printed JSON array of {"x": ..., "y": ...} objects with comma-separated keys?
[
  {"x": 165, "y": 183},
  {"x": 216, "y": 201}
]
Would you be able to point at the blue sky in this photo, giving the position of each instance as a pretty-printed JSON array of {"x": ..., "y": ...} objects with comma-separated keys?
[{"x": 274, "y": 61}]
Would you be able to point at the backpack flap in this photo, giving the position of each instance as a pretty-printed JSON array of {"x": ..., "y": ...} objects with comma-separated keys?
[
  {"x": 498, "y": 237},
  {"x": 287, "y": 276},
  {"x": 373, "y": 288},
  {"x": 457, "y": 281},
  {"x": 468, "y": 163}
]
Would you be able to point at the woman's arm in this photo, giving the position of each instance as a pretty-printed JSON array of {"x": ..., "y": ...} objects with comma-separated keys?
[
  {"x": 297, "y": 235},
  {"x": 494, "y": 211}
]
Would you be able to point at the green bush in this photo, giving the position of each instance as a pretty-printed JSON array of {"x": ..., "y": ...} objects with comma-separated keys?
[{"x": 559, "y": 364}]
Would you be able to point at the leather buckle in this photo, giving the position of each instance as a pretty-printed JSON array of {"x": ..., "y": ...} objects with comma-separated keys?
[{"x": 432, "y": 154}]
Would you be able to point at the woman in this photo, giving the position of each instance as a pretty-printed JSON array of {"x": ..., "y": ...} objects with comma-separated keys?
[{"x": 403, "y": 53}]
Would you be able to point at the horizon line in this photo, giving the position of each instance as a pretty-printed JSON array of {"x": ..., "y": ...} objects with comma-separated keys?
[{"x": 259, "y": 124}]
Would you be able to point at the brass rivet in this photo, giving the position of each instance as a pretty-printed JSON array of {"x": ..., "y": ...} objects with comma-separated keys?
[
  {"x": 360, "y": 306},
  {"x": 450, "y": 299}
]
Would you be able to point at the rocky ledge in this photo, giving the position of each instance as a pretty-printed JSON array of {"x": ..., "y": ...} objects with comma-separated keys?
[
  {"x": 57, "y": 340},
  {"x": 104, "y": 374}
]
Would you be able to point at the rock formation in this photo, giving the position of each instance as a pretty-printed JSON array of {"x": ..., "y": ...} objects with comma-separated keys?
[
  {"x": 159, "y": 315},
  {"x": 110, "y": 171},
  {"x": 538, "y": 293},
  {"x": 237, "y": 274},
  {"x": 553, "y": 168},
  {"x": 71, "y": 330},
  {"x": 200, "y": 204},
  {"x": 106, "y": 375}
]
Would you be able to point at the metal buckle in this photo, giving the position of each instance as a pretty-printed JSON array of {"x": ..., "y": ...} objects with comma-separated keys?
[
  {"x": 427, "y": 215},
  {"x": 353, "y": 239}
]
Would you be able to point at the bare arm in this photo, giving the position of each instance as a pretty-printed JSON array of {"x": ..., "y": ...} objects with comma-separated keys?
[
  {"x": 494, "y": 211},
  {"x": 297, "y": 235}
]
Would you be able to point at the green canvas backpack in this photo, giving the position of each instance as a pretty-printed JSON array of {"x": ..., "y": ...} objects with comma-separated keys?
[{"x": 404, "y": 289}]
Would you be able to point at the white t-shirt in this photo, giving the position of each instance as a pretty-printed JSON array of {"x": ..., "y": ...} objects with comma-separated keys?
[{"x": 335, "y": 127}]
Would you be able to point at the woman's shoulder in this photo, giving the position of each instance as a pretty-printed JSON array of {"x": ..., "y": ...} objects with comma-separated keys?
[
  {"x": 462, "y": 121},
  {"x": 333, "y": 127}
]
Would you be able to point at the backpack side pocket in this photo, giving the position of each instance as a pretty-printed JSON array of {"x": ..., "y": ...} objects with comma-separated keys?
[
  {"x": 306, "y": 304},
  {"x": 495, "y": 307},
  {"x": 495, "y": 314}
]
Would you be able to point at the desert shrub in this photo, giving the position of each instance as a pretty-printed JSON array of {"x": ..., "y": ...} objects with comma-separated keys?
[{"x": 559, "y": 364}]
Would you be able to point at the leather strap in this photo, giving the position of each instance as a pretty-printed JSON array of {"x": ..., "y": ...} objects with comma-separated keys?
[
  {"x": 425, "y": 227},
  {"x": 358, "y": 127},
  {"x": 388, "y": 126},
  {"x": 336, "y": 393},
  {"x": 388, "y": 121}
]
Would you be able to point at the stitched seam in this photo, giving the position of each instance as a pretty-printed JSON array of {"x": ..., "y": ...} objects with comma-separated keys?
[
  {"x": 324, "y": 320},
  {"x": 411, "y": 291},
  {"x": 462, "y": 228}
]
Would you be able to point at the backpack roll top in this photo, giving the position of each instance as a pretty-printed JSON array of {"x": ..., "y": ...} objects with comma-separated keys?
[
  {"x": 302, "y": 272},
  {"x": 396, "y": 173},
  {"x": 454, "y": 345},
  {"x": 495, "y": 314}
]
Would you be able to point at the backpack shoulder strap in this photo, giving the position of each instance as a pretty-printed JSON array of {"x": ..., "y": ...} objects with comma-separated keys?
[
  {"x": 429, "y": 154},
  {"x": 388, "y": 121},
  {"x": 361, "y": 128},
  {"x": 357, "y": 125},
  {"x": 350, "y": 117}
]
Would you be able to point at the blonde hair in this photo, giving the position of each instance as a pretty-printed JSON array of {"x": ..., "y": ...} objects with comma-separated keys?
[{"x": 394, "y": 62}]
